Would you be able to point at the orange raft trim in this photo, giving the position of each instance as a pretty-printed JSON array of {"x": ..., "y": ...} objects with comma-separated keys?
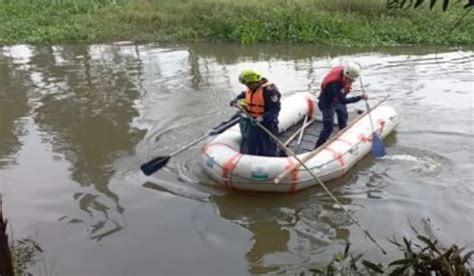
[
  {"x": 228, "y": 167},
  {"x": 339, "y": 156},
  {"x": 294, "y": 175}
]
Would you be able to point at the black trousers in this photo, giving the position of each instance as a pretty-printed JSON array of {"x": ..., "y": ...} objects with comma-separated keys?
[
  {"x": 259, "y": 142},
  {"x": 328, "y": 120}
]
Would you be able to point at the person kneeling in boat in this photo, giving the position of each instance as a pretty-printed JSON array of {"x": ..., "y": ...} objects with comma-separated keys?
[
  {"x": 333, "y": 98},
  {"x": 263, "y": 105}
]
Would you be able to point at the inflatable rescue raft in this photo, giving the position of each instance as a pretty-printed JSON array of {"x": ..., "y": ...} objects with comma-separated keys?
[{"x": 299, "y": 126}]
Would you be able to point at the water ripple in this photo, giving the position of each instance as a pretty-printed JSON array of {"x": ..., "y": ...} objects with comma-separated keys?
[{"x": 418, "y": 161}]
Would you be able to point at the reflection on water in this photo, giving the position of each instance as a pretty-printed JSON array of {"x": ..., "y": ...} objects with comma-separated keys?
[
  {"x": 77, "y": 121},
  {"x": 13, "y": 106},
  {"x": 81, "y": 100},
  {"x": 290, "y": 233}
]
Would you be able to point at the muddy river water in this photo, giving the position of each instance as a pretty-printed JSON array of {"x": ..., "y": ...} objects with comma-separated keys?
[{"x": 76, "y": 122}]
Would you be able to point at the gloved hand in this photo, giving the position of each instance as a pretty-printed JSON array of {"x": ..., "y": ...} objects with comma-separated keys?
[
  {"x": 243, "y": 103},
  {"x": 233, "y": 102}
]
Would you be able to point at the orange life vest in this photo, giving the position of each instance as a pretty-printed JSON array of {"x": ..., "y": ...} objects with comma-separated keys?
[
  {"x": 335, "y": 75},
  {"x": 256, "y": 101}
]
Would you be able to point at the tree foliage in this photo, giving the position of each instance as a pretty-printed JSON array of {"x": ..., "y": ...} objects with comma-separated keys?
[{"x": 405, "y": 4}]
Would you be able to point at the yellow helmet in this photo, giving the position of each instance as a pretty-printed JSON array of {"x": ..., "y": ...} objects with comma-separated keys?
[{"x": 249, "y": 76}]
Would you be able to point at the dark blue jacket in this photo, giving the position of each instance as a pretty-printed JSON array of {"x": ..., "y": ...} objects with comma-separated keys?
[{"x": 333, "y": 94}]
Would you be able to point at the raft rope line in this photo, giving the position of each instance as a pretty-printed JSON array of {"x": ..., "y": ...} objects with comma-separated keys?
[{"x": 288, "y": 151}]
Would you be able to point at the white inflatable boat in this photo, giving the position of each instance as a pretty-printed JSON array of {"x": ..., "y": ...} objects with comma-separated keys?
[{"x": 221, "y": 160}]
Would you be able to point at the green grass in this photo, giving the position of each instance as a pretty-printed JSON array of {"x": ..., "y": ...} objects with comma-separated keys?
[{"x": 335, "y": 22}]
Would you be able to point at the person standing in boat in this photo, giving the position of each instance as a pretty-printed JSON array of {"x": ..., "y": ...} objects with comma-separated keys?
[
  {"x": 333, "y": 98},
  {"x": 263, "y": 104}
]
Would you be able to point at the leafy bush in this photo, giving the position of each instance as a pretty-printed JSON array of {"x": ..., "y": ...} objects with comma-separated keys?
[{"x": 426, "y": 257}]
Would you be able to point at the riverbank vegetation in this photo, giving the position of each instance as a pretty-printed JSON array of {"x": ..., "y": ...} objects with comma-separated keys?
[
  {"x": 26, "y": 253},
  {"x": 335, "y": 22},
  {"x": 17, "y": 256},
  {"x": 421, "y": 257}
]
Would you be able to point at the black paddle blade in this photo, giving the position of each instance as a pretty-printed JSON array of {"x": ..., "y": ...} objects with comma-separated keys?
[{"x": 154, "y": 165}]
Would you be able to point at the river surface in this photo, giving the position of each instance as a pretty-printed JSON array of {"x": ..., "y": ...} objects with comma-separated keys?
[{"x": 77, "y": 121}]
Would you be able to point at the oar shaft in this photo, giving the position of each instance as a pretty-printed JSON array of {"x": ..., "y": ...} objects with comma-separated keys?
[
  {"x": 302, "y": 130},
  {"x": 293, "y": 136},
  {"x": 367, "y": 106},
  {"x": 370, "y": 116},
  {"x": 204, "y": 137},
  {"x": 189, "y": 145}
]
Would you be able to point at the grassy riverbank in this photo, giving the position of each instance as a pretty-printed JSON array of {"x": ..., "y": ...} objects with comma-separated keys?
[{"x": 335, "y": 22}]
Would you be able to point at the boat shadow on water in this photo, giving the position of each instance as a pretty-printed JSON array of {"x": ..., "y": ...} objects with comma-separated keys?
[{"x": 289, "y": 232}]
